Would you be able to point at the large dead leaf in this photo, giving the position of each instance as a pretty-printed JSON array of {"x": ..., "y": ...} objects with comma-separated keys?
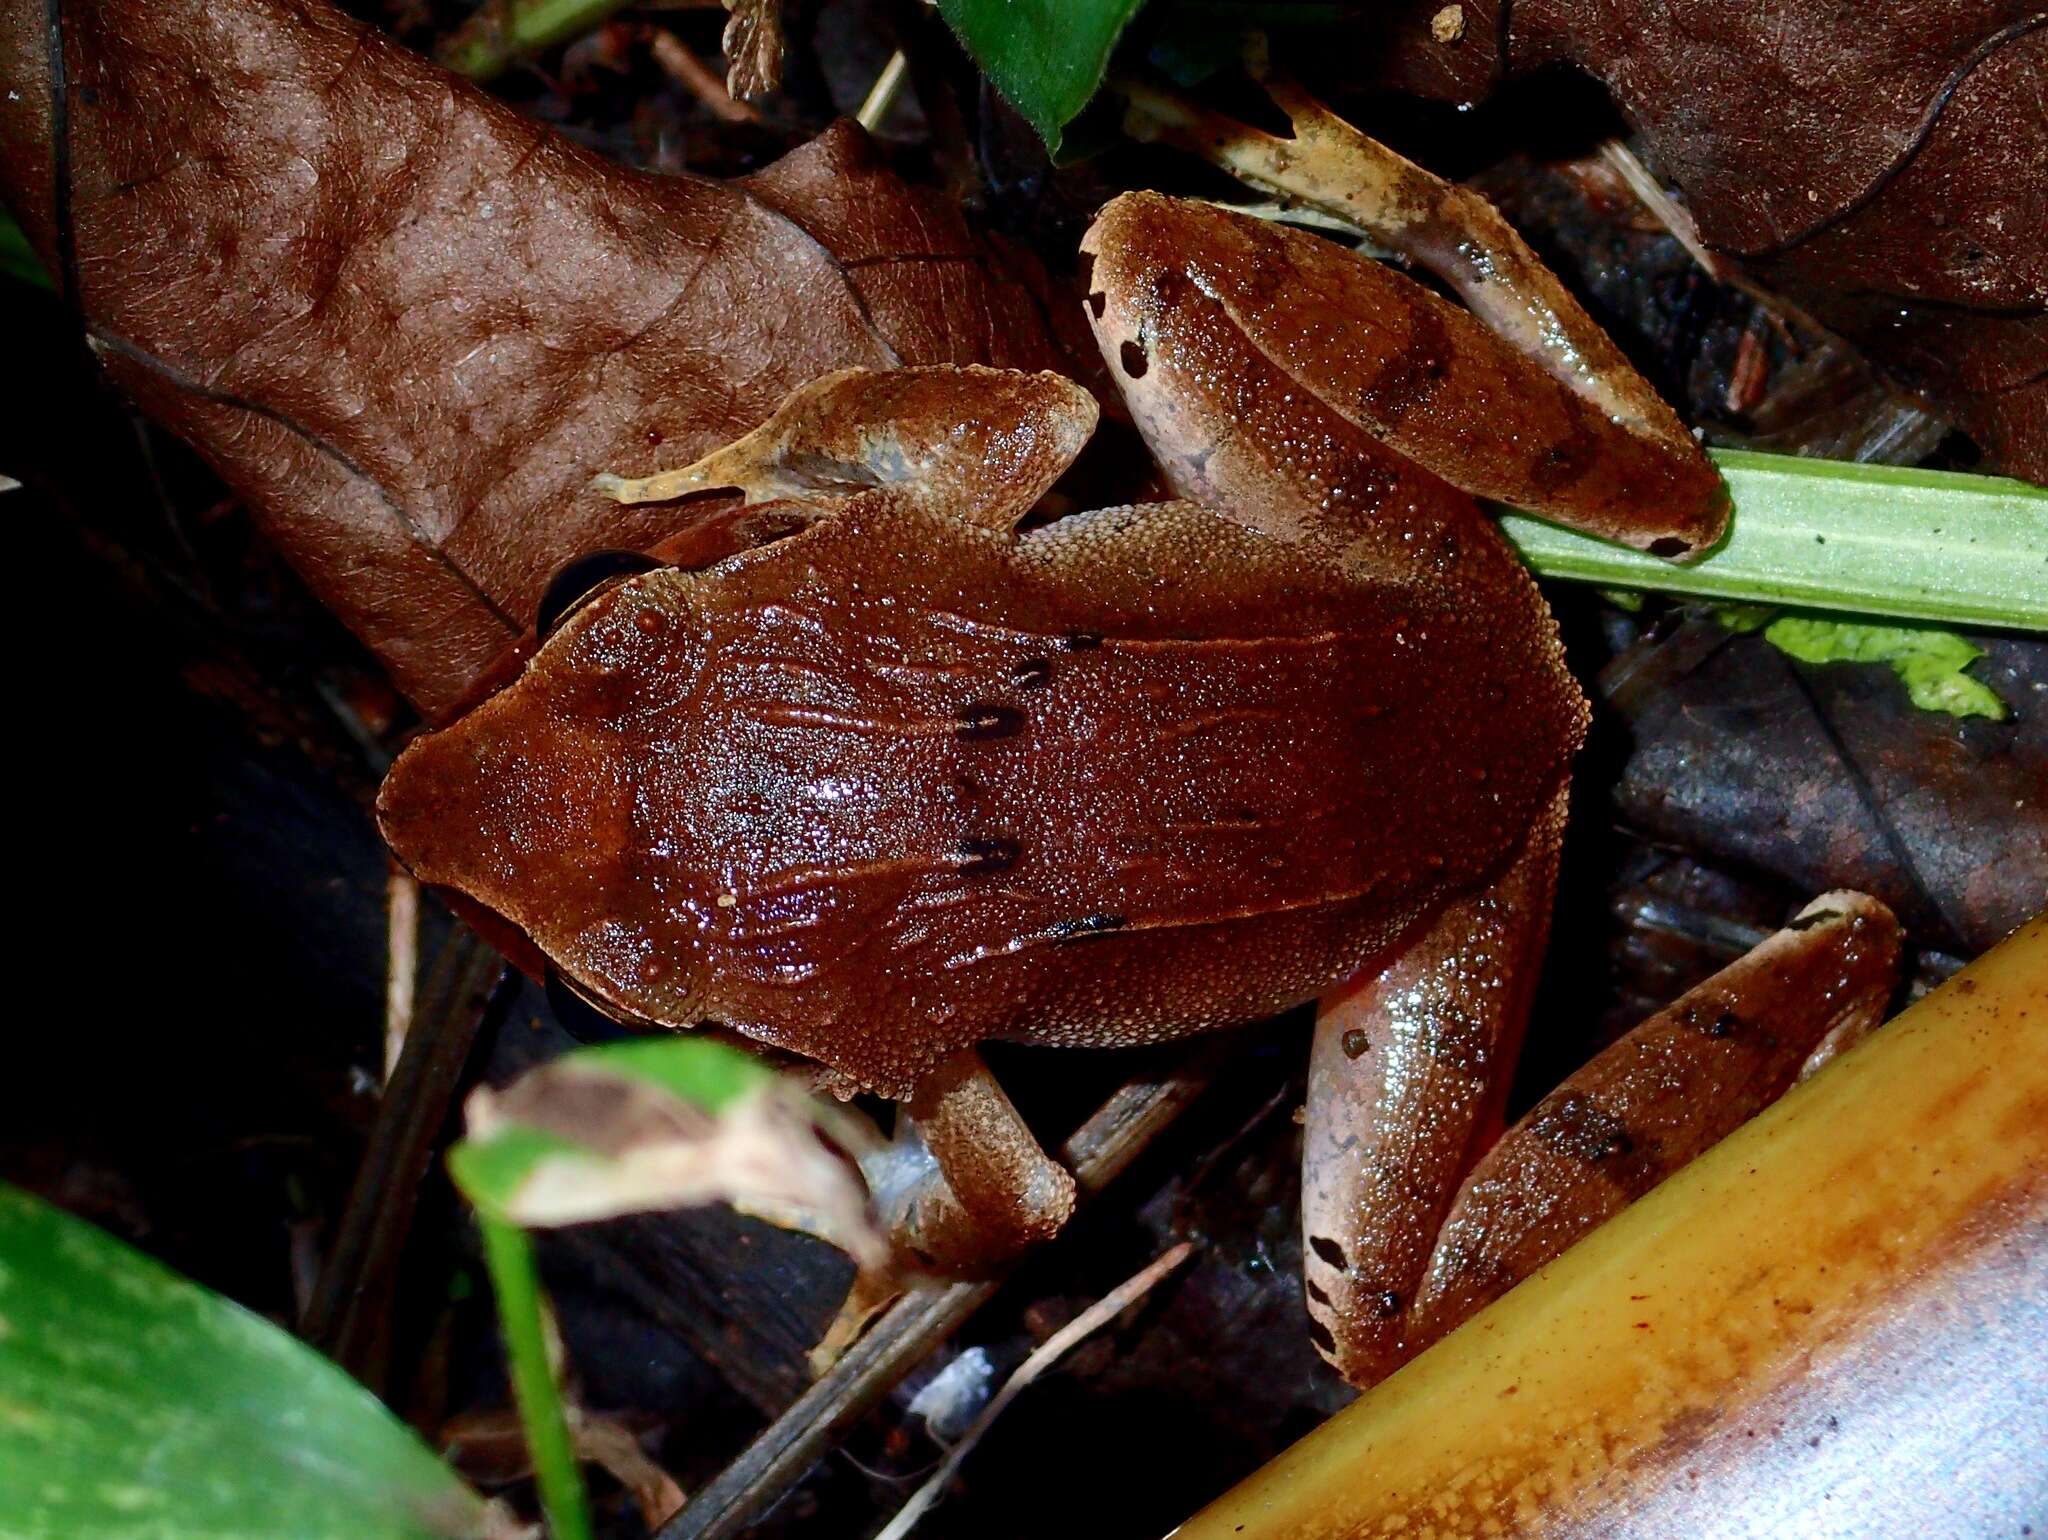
[
  {"x": 1885, "y": 164},
  {"x": 408, "y": 325},
  {"x": 1827, "y": 773}
]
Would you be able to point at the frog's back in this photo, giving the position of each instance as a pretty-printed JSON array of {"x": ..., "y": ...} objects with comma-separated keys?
[{"x": 919, "y": 785}]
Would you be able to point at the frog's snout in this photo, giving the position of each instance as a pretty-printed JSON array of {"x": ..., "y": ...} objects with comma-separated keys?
[{"x": 511, "y": 806}]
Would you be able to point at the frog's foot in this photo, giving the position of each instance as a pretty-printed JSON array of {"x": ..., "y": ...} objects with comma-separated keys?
[
  {"x": 966, "y": 1185},
  {"x": 1663, "y": 1094},
  {"x": 983, "y": 443}
]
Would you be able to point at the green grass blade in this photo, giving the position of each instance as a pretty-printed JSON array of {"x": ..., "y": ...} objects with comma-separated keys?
[
  {"x": 515, "y": 1277},
  {"x": 133, "y": 1402},
  {"x": 1832, "y": 535}
]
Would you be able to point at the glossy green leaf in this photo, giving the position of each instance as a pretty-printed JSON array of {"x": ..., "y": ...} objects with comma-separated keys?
[
  {"x": 1047, "y": 57},
  {"x": 135, "y": 1403}
]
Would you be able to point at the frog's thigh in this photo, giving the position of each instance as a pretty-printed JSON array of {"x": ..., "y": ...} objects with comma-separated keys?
[
  {"x": 1407, "y": 1080},
  {"x": 1272, "y": 334},
  {"x": 994, "y": 1192}
]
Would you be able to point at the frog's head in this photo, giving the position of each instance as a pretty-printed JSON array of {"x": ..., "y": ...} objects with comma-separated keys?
[{"x": 527, "y": 804}]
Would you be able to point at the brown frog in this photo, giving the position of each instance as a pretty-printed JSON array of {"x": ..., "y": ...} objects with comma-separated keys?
[{"x": 902, "y": 771}]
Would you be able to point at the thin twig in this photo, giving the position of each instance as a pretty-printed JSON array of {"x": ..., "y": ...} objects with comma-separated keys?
[
  {"x": 1097, "y": 1154},
  {"x": 1662, "y": 207},
  {"x": 883, "y": 93},
  {"x": 697, "y": 77},
  {"x": 351, "y": 1305},
  {"x": 1678, "y": 223},
  {"x": 402, "y": 963},
  {"x": 1048, "y": 1353}
]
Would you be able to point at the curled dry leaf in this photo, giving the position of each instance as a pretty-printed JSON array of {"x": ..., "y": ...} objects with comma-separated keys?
[
  {"x": 663, "y": 1124},
  {"x": 408, "y": 325},
  {"x": 1886, "y": 165},
  {"x": 753, "y": 47}
]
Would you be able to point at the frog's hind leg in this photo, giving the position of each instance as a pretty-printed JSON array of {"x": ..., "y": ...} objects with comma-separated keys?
[
  {"x": 1669, "y": 1090},
  {"x": 974, "y": 443},
  {"x": 1408, "y": 1078},
  {"x": 1258, "y": 321}
]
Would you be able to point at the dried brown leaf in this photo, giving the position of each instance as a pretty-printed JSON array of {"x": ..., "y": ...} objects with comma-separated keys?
[
  {"x": 1885, "y": 165},
  {"x": 408, "y": 325},
  {"x": 619, "y": 1143}
]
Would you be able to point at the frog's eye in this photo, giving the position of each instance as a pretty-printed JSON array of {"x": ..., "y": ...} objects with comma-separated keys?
[
  {"x": 579, "y": 1016},
  {"x": 581, "y": 581}
]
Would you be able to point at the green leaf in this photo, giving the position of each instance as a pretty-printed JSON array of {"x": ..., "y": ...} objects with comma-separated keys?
[
  {"x": 1829, "y": 535},
  {"x": 491, "y": 1172},
  {"x": 660, "y": 1123},
  {"x": 1745, "y": 618},
  {"x": 18, "y": 259},
  {"x": 1930, "y": 662},
  {"x": 704, "y": 1073},
  {"x": 135, "y": 1403},
  {"x": 1047, "y": 57}
]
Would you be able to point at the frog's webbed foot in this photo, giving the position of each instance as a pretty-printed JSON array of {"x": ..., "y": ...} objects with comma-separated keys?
[
  {"x": 1522, "y": 399},
  {"x": 977, "y": 443},
  {"x": 1662, "y": 1095}
]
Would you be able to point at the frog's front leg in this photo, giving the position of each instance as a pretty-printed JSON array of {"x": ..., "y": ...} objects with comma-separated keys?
[
  {"x": 1412, "y": 1223},
  {"x": 988, "y": 1192},
  {"x": 964, "y": 441}
]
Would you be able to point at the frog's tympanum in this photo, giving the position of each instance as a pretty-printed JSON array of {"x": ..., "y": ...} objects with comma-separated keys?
[{"x": 910, "y": 772}]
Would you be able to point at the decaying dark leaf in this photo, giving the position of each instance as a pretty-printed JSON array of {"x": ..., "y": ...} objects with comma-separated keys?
[
  {"x": 408, "y": 325},
  {"x": 1825, "y": 773},
  {"x": 1886, "y": 164}
]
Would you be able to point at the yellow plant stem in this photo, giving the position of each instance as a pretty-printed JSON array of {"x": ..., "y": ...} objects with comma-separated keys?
[{"x": 1835, "y": 1317}]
